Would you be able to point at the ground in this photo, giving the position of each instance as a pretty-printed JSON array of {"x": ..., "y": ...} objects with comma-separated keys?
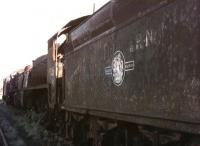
[{"x": 23, "y": 128}]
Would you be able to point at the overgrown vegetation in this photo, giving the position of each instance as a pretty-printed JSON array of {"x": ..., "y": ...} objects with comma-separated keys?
[{"x": 34, "y": 124}]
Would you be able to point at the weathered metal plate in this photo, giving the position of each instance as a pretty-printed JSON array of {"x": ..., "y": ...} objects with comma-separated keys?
[
  {"x": 147, "y": 67},
  {"x": 51, "y": 72},
  {"x": 38, "y": 74}
]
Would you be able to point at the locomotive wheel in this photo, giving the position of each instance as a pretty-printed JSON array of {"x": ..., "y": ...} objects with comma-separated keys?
[{"x": 80, "y": 133}]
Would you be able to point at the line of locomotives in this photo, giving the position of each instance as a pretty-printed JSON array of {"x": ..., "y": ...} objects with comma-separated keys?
[{"x": 128, "y": 75}]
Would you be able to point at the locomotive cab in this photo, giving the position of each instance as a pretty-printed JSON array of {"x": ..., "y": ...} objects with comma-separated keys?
[{"x": 55, "y": 64}]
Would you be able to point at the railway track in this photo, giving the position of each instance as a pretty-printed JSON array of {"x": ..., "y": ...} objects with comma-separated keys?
[{"x": 3, "y": 141}]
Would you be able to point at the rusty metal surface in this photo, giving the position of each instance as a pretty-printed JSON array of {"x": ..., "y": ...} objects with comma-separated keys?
[
  {"x": 53, "y": 66},
  {"x": 98, "y": 23},
  {"x": 146, "y": 67},
  {"x": 12, "y": 87},
  {"x": 27, "y": 71},
  {"x": 20, "y": 81},
  {"x": 51, "y": 74},
  {"x": 38, "y": 74},
  {"x": 6, "y": 86}
]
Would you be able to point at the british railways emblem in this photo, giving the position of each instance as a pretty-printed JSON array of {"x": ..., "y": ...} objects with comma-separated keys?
[{"x": 118, "y": 68}]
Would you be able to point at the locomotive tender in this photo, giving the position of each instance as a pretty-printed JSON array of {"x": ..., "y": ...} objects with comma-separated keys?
[{"x": 129, "y": 74}]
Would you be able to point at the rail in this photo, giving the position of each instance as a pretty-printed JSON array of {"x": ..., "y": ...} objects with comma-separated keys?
[{"x": 3, "y": 141}]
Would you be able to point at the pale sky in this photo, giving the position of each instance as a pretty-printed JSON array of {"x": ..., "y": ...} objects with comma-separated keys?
[{"x": 26, "y": 25}]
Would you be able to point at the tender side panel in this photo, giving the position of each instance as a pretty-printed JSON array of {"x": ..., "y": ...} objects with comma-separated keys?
[
  {"x": 38, "y": 74},
  {"x": 160, "y": 77}
]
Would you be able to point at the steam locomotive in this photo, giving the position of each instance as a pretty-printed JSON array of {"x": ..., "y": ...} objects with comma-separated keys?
[{"x": 127, "y": 75}]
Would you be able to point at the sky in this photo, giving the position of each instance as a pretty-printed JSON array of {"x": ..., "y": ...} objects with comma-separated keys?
[{"x": 26, "y": 25}]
